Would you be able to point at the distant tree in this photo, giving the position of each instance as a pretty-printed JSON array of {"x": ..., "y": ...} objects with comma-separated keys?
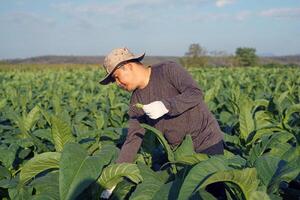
[
  {"x": 246, "y": 56},
  {"x": 222, "y": 59},
  {"x": 195, "y": 56},
  {"x": 195, "y": 50}
]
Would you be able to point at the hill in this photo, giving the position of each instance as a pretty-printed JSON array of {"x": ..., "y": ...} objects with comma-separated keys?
[
  {"x": 80, "y": 60},
  {"x": 212, "y": 60}
]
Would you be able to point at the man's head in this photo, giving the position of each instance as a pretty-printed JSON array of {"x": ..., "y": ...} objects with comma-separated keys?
[
  {"x": 130, "y": 75},
  {"x": 115, "y": 59}
]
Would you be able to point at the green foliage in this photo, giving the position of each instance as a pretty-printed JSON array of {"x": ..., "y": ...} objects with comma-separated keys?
[
  {"x": 200, "y": 172},
  {"x": 246, "y": 179},
  {"x": 114, "y": 174},
  {"x": 246, "y": 56},
  {"x": 78, "y": 170},
  {"x": 47, "y": 186},
  {"x": 150, "y": 185},
  {"x": 60, "y": 132},
  {"x": 194, "y": 57},
  {"x": 38, "y": 164},
  {"x": 162, "y": 140}
]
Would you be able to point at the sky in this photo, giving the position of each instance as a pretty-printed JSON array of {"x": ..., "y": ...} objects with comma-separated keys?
[{"x": 158, "y": 27}]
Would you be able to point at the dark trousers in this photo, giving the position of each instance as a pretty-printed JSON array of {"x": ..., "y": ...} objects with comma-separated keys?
[
  {"x": 214, "y": 149},
  {"x": 216, "y": 189}
]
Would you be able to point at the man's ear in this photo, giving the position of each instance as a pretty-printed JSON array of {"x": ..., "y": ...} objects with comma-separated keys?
[
  {"x": 124, "y": 67},
  {"x": 130, "y": 66}
]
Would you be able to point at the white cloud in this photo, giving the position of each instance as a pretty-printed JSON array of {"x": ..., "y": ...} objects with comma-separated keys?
[
  {"x": 222, "y": 3},
  {"x": 27, "y": 18},
  {"x": 281, "y": 13},
  {"x": 124, "y": 13},
  {"x": 70, "y": 8},
  {"x": 110, "y": 8},
  {"x": 240, "y": 16},
  {"x": 206, "y": 17}
]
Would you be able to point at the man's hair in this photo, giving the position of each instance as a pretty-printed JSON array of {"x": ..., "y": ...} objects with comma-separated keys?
[
  {"x": 132, "y": 61},
  {"x": 139, "y": 63}
]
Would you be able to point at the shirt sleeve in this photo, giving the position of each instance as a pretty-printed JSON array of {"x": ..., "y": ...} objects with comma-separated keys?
[
  {"x": 189, "y": 95},
  {"x": 134, "y": 136}
]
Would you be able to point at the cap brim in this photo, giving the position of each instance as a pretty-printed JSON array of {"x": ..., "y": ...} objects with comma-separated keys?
[{"x": 109, "y": 79}]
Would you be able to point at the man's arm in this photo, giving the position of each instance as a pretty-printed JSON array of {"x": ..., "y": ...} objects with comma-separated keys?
[
  {"x": 135, "y": 133},
  {"x": 132, "y": 143},
  {"x": 190, "y": 93}
]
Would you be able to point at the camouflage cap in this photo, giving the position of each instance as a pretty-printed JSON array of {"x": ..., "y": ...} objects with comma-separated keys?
[{"x": 115, "y": 59}]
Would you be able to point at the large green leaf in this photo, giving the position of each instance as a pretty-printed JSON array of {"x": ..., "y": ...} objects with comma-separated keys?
[
  {"x": 266, "y": 168},
  {"x": 8, "y": 155},
  {"x": 186, "y": 148},
  {"x": 272, "y": 170},
  {"x": 267, "y": 131},
  {"x": 259, "y": 195},
  {"x": 122, "y": 190},
  {"x": 234, "y": 139},
  {"x": 2, "y": 103},
  {"x": 285, "y": 173},
  {"x": 170, "y": 190},
  {"x": 149, "y": 186},
  {"x": 19, "y": 121},
  {"x": 210, "y": 94},
  {"x": 31, "y": 118},
  {"x": 61, "y": 133},
  {"x": 267, "y": 143},
  {"x": 114, "y": 174},
  {"x": 199, "y": 173},
  {"x": 246, "y": 179},
  {"x": 20, "y": 192},
  {"x": 146, "y": 190},
  {"x": 185, "y": 153},
  {"x": 246, "y": 118},
  {"x": 4, "y": 173},
  {"x": 291, "y": 154},
  {"x": 46, "y": 115},
  {"x": 279, "y": 150},
  {"x": 202, "y": 194},
  {"x": 260, "y": 103},
  {"x": 192, "y": 159},
  {"x": 263, "y": 119},
  {"x": 47, "y": 187},
  {"x": 162, "y": 140},
  {"x": 164, "y": 192},
  {"x": 38, "y": 164},
  {"x": 78, "y": 170},
  {"x": 44, "y": 134},
  {"x": 288, "y": 114}
]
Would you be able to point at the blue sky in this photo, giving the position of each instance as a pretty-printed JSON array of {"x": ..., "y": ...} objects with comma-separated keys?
[{"x": 157, "y": 27}]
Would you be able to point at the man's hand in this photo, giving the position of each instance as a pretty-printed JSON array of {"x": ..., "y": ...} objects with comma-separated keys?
[
  {"x": 106, "y": 193},
  {"x": 155, "y": 110}
]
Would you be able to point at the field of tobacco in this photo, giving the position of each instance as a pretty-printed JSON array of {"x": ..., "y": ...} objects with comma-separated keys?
[{"x": 60, "y": 133}]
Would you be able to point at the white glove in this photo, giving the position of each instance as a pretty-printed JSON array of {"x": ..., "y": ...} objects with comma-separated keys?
[
  {"x": 155, "y": 110},
  {"x": 106, "y": 193}
]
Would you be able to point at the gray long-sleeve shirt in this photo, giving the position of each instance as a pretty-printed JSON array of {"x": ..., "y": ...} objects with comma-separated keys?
[{"x": 188, "y": 113}]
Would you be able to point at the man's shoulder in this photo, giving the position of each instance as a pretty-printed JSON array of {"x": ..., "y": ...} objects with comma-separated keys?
[
  {"x": 167, "y": 63},
  {"x": 165, "y": 67}
]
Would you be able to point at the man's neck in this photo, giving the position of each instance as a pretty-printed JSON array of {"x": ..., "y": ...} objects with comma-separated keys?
[{"x": 146, "y": 74}]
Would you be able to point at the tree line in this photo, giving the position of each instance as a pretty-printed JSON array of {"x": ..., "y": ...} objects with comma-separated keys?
[{"x": 197, "y": 56}]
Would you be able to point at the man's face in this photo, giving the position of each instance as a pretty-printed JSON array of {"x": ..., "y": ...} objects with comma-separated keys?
[{"x": 124, "y": 77}]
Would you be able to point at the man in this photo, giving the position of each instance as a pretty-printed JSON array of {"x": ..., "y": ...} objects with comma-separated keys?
[{"x": 172, "y": 103}]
